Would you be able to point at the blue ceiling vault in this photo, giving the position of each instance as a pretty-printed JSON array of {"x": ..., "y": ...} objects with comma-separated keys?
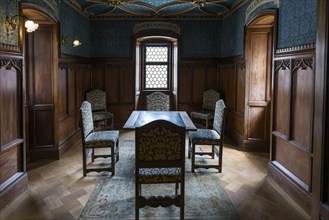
[{"x": 157, "y": 8}]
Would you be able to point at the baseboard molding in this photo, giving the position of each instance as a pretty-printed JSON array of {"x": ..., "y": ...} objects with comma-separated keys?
[
  {"x": 298, "y": 194},
  {"x": 246, "y": 145},
  {"x": 68, "y": 143},
  {"x": 237, "y": 138},
  {"x": 13, "y": 188}
]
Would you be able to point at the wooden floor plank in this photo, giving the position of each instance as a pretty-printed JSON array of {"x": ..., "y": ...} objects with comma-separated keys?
[{"x": 57, "y": 189}]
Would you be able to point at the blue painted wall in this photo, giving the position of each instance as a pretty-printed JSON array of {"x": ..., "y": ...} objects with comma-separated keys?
[
  {"x": 214, "y": 39},
  {"x": 232, "y": 36},
  {"x": 115, "y": 39},
  {"x": 296, "y": 26},
  {"x": 112, "y": 39},
  {"x": 297, "y": 22},
  {"x": 199, "y": 39},
  {"x": 74, "y": 25}
]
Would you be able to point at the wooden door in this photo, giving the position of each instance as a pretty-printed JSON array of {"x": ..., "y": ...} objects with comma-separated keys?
[
  {"x": 39, "y": 75},
  {"x": 258, "y": 88}
]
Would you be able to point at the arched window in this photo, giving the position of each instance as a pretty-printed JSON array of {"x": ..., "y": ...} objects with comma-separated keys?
[{"x": 156, "y": 68}]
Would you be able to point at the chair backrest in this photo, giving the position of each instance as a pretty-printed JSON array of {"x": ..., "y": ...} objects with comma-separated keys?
[
  {"x": 160, "y": 144},
  {"x": 86, "y": 118},
  {"x": 210, "y": 97},
  {"x": 157, "y": 101},
  {"x": 97, "y": 99},
  {"x": 219, "y": 117}
]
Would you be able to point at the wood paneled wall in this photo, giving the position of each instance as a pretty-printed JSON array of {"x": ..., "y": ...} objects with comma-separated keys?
[
  {"x": 232, "y": 85},
  {"x": 193, "y": 78},
  {"x": 292, "y": 125},
  {"x": 74, "y": 77},
  {"x": 117, "y": 79},
  {"x": 13, "y": 176}
]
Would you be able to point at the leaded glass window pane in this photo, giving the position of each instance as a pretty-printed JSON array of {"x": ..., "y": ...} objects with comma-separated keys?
[
  {"x": 156, "y": 67},
  {"x": 156, "y": 54},
  {"x": 156, "y": 76}
]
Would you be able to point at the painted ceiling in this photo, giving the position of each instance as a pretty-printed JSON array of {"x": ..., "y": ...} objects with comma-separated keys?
[{"x": 156, "y": 8}]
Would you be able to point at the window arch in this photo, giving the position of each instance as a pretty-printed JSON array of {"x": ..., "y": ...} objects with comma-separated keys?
[{"x": 156, "y": 68}]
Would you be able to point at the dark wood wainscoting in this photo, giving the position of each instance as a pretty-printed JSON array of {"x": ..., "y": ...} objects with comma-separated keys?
[
  {"x": 13, "y": 176},
  {"x": 292, "y": 125},
  {"x": 232, "y": 85},
  {"x": 117, "y": 79},
  {"x": 193, "y": 78},
  {"x": 74, "y": 77}
]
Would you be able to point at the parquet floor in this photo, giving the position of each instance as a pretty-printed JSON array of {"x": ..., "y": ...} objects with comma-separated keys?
[{"x": 57, "y": 189}]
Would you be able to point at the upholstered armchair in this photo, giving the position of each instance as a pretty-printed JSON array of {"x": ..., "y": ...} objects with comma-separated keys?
[
  {"x": 157, "y": 101},
  {"x": 101, "y": 116},
  {"x": 206, "y": 115},
  {"x": 213, "y": 137},
  {"x": 92, "y": 140},
  {"x": 160, "y": 158}
]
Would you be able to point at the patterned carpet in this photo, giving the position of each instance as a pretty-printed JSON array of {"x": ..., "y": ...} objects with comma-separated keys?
[{"x": 114, "y": 197}]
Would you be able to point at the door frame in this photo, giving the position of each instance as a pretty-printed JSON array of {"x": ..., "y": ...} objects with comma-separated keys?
[
  {"x": 321, "y": 126},
  {"x": 254, "y": 144},
  {"x": 41, "y": 16}
]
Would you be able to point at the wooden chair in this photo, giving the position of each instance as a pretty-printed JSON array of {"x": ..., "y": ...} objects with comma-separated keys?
[
  {"x": 209, "y": 99},
  {"x": 213, "y": 137},
  {"x": 160, "y": 158},
  {"x": 92, "y": 140},
  {"x": 101, "y": 116},
  {"x": 157, "y": 101}
]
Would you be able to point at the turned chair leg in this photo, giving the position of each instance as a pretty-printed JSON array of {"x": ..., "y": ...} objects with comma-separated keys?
[
  {"x": 213, "y": 151},
  {"x": 189, "y": 149},
  {"x": 113, "y": 157},
  {"x": 84, "y": 161},
  {"x": 193, "y": 158}
]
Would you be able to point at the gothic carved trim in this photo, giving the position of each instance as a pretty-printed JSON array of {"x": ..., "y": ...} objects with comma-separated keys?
[
  {"x": 241, "y": 66},
  {"x": 303, "y": 63},
  {"x": 281, "y": 64},
  {"x": 9, "y": 63},
  {"x": 296, "y": 48},
  {"x": 63, "y": 66}
]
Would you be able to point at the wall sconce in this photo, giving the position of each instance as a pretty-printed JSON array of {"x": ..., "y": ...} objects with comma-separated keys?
[
  {"x": 12, "y": 24},
  {"x": 75, "y": 41}
]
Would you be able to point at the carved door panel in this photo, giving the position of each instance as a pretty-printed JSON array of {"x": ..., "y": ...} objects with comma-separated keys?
[
  {"x": 39, "y": 61},
  {"x": 258, "y": 87}
]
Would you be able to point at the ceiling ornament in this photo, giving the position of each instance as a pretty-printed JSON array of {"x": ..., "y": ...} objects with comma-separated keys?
[
  {"x": 113, "y": 3},
  {"x": 199, "y": 3},
  {"x": 156, "y": 9}
]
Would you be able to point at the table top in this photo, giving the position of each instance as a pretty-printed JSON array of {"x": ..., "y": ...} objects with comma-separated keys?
[{"x": 139, "y": 118}]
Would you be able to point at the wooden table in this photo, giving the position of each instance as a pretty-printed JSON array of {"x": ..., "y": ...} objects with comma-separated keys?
[{"x": 139, "y": 118}]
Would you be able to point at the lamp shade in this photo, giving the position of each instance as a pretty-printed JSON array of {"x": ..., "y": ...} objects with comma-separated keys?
[{"x": 31, "y": 26}]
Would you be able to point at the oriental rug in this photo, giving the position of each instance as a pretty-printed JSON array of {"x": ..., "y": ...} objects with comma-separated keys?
[{"x": 114, "y": 196}]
